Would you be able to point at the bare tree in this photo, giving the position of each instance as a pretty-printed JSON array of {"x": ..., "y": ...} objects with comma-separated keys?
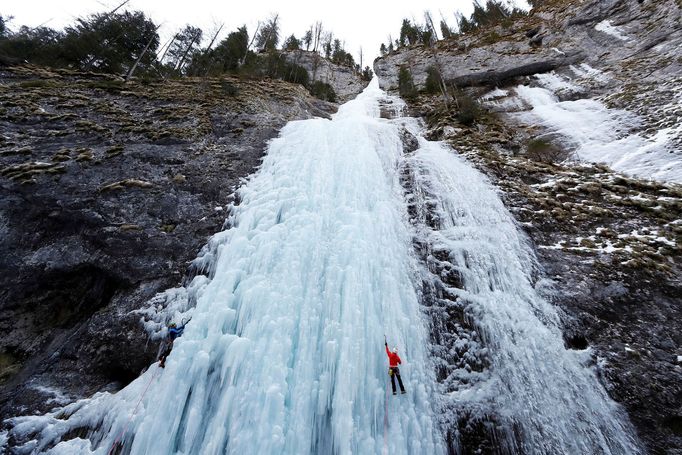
[
  {"x": 253, "y": 38},
  {"x": 268, "y": 37},
  {"x": 165, "y": 48},
  {"x": 193, "y": 36},
  {"x": 317, "y": 36},
  {"x": 210, "y": 45},
  {"x": 144, "y": 51},
  {"x": 118, "y": 7},
  {"x": 429, "y": 24}
]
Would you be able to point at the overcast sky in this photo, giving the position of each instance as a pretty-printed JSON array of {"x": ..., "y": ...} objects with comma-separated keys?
[{"x": 357, "y": 23}]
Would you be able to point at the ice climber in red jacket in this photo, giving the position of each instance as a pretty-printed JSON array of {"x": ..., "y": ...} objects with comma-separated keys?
[{"x": 393, "y": 370}]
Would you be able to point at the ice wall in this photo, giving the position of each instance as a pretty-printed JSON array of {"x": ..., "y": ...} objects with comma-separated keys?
[
  {"x": 285, "y": 350},
  {"x": 544, "y": 398}
]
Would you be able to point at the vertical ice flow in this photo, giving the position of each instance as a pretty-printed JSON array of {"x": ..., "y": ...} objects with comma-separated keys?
[
  {"x": 285, "y": 354},
  {"x": 544, "y": 399}
]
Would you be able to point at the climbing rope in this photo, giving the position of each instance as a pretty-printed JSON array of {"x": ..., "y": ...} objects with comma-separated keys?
[
  {"x": 123, "y": 432},
  {"x": 386, "y": 422}
]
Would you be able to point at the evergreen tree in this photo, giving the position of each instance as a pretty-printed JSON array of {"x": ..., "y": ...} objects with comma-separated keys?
[
  {"x": 41, "y": 46},
  {"x": 184, "y": 47},
  {"x": 490, "y": 14},
  {"x": 367, "y": 74},
  {"x": 409, "y": 34},
  {"x": 292, "y": 43},
  {"x": 382, "y": 50},
  {"x": 465, "y": 25},
  {"x": 445, "y": 30},
  {"x": 110, "y": 42},
  {"x": 232, "y": 50},
  {"x": 433, "y": 80},
  {"x": 3, "y": 26},
  {"x": 406, "y": 84},
  {"x": 268, "y": 35},
  {"x": 426, "y": 37},
  {"x": 308, "y": 39}
]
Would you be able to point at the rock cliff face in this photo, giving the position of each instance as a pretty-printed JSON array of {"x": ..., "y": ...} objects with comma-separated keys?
[
  {"x": 637, "y": 40},
  {"x": 346, "y": 83},
  {"x": 608, "y": 243},
  {"x": 107, "y": 192}
]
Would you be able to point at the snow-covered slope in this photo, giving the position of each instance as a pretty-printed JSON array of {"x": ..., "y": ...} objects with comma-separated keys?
[{"x": 591, "y": 131}]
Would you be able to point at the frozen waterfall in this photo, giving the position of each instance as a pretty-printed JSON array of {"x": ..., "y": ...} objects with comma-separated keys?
[
  {"x": 284, "y": 353},
  {"x": 542, "y": 397}
]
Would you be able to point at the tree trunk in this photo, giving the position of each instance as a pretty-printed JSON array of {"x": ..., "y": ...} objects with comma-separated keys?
[{"x": 144, "y": 51}]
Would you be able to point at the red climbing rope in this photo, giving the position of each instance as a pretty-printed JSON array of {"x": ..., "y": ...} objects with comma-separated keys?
[{"x": 123, "y": 432}]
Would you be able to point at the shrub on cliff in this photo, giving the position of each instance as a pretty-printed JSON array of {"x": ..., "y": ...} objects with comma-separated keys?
[
  {"x": 274, "y": 65},
  {"x": 367, "y": 74},
  {"x": 323, "y": 91},
  {"x": 406, "y": 86},
  {"x": 469, "y": 111},
  {"x": 292, "y": 43},
  {"x": 542, "y": 150},
  {"x": 488, "y": 14},
  {"x": 433, "y": 80}
]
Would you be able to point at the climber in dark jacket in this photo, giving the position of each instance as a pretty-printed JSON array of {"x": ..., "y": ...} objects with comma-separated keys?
[
  {"x": 173, "y": 332},
  {"x": 393, "y": 370}
]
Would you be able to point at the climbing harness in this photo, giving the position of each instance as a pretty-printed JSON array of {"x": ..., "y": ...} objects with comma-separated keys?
[{"x": 123, "y": 432}]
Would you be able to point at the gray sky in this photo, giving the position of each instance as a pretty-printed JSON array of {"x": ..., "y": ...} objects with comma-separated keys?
[{"x": 358, "y": 23}]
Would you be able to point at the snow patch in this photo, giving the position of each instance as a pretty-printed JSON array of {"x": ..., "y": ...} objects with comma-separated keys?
[
  {"x": 57, "y": 396},
  {"x": 598, "y": 134},
  {"x": 607, "y": 27},
  {"x": 585, "y": 71},
  {"x": 556, "y": 83},
  {"x": 497, "y": 93}
]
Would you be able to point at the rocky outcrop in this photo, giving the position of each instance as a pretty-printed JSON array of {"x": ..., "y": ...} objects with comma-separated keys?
[
  {"x": 609, "y": 245},
  {"x": 107, "y": 191},
  {"x": 470, "y": 66},
  {"x": 556, "y": 36},
  {"x": 345, "y": 81}
]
